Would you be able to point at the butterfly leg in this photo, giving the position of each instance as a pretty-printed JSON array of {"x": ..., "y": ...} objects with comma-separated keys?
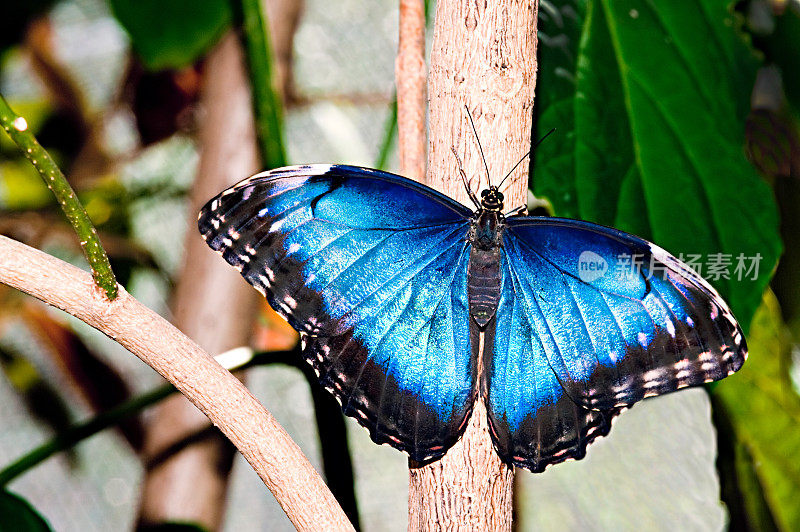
[{"x": 522, "y": 210}]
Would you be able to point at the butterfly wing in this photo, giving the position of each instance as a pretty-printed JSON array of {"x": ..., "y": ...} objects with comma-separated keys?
[
  {"x": 532, "y": 420},
  {"x": 588, "y": 336},
  {"x": 371, "y": 269}
]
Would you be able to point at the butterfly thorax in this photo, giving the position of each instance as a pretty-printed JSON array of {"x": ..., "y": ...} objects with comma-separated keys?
[{"x": 483, "y": 274}]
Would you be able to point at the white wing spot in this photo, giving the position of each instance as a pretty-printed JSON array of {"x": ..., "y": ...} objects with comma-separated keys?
[
  {"x": 653, "y": 375},
  {"x": 643, "y": 340},
  {"x": 705, "y": 356},
  {"x": 276, "y": 226}
]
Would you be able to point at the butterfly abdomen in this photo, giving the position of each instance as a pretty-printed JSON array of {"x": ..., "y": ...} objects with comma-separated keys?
[{"x": 483, "y": 274}]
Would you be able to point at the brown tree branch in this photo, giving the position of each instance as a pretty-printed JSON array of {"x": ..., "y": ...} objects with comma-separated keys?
[
  {"x": 484, "y": 57},
  {"x": 410, "y": 80},
  {"x": 190, "y": 485},
  {"x": 218, "y": 394}
]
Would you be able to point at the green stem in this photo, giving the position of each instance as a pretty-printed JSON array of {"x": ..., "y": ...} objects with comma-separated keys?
[
  {"x": 390, "y": 130},
  {"x": 17, "y": 129},
  {"x": 266, "y": 101},
  {"x": 81, "y": 431}
]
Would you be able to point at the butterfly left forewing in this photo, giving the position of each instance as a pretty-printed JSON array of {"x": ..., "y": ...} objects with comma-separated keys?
[{"x": 371, "y": 269}]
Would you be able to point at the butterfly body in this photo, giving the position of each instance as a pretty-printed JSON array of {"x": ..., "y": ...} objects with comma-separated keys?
[
  {"x": 396, "y": 289},
  {"x": 484, "y": 271}
]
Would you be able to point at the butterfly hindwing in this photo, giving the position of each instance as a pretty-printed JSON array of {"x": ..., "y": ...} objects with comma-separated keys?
[
  {"x": 371, "y": 269},
  {"x": 532, "y": 420}
]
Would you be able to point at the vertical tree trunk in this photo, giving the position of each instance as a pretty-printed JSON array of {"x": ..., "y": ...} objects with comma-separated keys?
[
  {"x": 189, "y": 483},
  {"x": 484, "y": 57},
  {"x": 410, "y": 81}
]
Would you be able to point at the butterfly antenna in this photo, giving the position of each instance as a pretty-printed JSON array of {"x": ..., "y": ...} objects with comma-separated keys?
[
  {"x": 525, "y": 156},
  {"x": 471, "y": 194},
  {"x": 474, "y": 129}
]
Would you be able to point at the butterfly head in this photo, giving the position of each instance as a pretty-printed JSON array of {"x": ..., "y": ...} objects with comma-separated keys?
[{"x": 492, "y": 199}]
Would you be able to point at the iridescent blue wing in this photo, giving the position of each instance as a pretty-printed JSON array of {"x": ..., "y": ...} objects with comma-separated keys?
[
  {"x": 590, "y": 321},
  {"x": 371, "y": 269}
]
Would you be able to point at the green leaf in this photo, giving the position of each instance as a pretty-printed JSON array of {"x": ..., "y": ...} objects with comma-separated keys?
[
  {"x": 170, "y": 34},
  {"x": 266, "y": 100},
  {"x": 17, "y": 515},
  {"x": 553, "y": 175},
  {"x": 652, "y": 111},
  {"x": 764, "y": 413},
  {"x": 604, "y": 152},
  {"x": 687, "y": 94}
]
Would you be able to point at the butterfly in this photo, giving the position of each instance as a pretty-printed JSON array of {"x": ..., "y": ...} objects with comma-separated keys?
[{"x": 395, "y": 288}]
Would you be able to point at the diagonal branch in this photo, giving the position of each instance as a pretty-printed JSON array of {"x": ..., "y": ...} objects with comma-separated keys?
[{"x": 262, "y": 441}]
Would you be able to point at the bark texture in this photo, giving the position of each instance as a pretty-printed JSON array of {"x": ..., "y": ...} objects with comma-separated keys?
[
  {"x": 410, "y": 81},
  {"x": 211, "y": 388},
  {"x": 484, "y": 58},
  {"x": 188, "y": 465}
]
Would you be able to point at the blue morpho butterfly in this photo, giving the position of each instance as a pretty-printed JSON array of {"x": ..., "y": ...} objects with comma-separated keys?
[{"x": 390, "y": 284}]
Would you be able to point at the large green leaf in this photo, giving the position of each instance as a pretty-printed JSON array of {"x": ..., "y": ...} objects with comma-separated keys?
[
  {"x": 653, "y": 101},
  {"x": 172, "y": 34},
  {"x": 764, "y": 412},
  {"x": 606, "y": 176},
  {"x": 553, "y": 175},
  {"x": 17, "y": 515}
]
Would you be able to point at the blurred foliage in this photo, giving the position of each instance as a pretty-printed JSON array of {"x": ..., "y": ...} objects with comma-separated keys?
[
  {"x": 41, "y": 399},
  {"x": 763, "y": 410},
  {"x": 266, "y": 100},
  {"x": 15, "y": 19},
  {"x": 99, "y": 384},
  {"x": 775, "y": 35},
  {"x": 172, "y": 34},
  {"x": 16, "y": 515}
]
